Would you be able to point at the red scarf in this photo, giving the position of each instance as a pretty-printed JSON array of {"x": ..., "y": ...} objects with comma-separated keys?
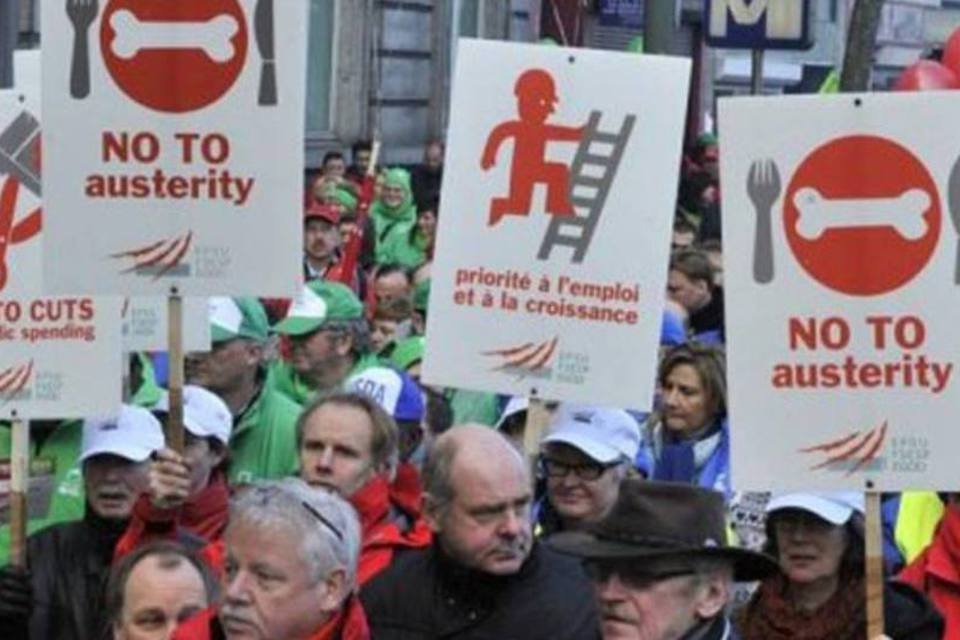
[{"x": 770, "y": 615}]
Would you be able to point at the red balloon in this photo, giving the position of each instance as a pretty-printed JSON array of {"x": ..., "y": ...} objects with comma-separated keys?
[
  {"x": 951, "y": 52},
  {"x": 926, "y": 75}
]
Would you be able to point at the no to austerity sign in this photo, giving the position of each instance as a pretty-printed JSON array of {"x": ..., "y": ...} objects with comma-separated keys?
[
  {"x": 551, "y": 264},
  {"x": 841, "y": 221},
  {"x": 173, "y": 146},
  {"x": 57, "y": 354}
]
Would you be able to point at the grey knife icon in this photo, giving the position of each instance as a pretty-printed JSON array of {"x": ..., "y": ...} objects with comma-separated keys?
[
  {"x": 953, "y": 201},
  {"x": 763, "y": 188},
  {"x": 263, "y": 26}
]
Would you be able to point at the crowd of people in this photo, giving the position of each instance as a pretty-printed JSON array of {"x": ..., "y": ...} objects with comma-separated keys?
[{"x": 325, "y": 492}]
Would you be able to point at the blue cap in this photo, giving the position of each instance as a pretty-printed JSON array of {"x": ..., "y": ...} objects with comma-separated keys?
[{"x": 395, "y": 391}]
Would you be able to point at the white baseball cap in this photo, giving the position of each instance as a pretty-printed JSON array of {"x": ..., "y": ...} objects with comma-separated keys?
[
  {"x": 516, "y": 404},
  {"x": 834, "y": 507},
  {"x": 205, "y": 415},
  {"x": 606, "y": 435},
  {"x": 132, "y": 433}
]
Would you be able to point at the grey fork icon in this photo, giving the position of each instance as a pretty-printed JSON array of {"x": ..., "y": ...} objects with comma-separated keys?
[
  {"x": 763, "y": 188},
  {"x": 82, "y": 13},
  {"x": 953, "y": 201}
]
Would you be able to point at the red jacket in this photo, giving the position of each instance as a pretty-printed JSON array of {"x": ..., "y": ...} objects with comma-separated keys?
[
  {"x": 385, "y": 527},
  {"x": 406, "y": 491},
  {"x": 349, "y": 624},
  {"x": 936, "y": 572},
  {"x": 205, "y": 516}
]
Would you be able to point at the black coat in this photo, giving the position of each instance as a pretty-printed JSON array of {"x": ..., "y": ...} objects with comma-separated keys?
[{"x": 424, "y": 595}]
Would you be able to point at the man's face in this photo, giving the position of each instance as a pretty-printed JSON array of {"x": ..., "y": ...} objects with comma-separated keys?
[
  {"x": 202, "y": 459},
  {"x": 486, "y": 527},
  {"x": 392, "y": 285},
  {"x": 337, "y": 449},
  {"x": 393, "y": 194},
  {"x": 575, "y": 497},
  {"x": 362, "y": 160},
  {"x": 320, "y": 239},
  {"x": 433, "y": 156},
  {"x": 382, "y": 332},
  {"x": 692, "y": 294},
  {"x": 269, "y": 592},
  {"x": 334, "y": 168},
  {"x": 637, "y": 605},
  {"x": 113, "y": 484},
  {"x": 316, "y": 353},
  {"x": 160, "y": 593},
  {"x": 682, "y": 240},
  {"x": 225, "y": 366}
]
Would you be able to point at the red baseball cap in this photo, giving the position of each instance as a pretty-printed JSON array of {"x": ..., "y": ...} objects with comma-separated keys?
[{"x": 323, "y": 212}]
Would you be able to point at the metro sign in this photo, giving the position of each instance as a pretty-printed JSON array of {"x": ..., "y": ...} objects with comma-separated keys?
[{"x": 758, "y": 24}]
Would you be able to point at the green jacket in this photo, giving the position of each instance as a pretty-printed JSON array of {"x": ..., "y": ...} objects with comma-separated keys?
[
  {"x": 393, "y": 225},
  {"x": 56, "y": 484},
  {"x": 263, "y": 444},
  {"x": 285, "y": 380},
  {"x": 478, "y": 407},
  {"x": 405, "y": 251}
]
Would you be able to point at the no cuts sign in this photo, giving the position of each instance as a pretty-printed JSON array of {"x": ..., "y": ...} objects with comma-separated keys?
[
  {"x": 55, "y": 352},
  {"x": 551, "y": 260},
  {"x": 841, "y": 266},
  {"x": 174, "y": 146}
]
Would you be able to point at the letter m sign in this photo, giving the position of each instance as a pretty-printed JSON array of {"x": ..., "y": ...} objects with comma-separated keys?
[{"x": 758, "y": 24}]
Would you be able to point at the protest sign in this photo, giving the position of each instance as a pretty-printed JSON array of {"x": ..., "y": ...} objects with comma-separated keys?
[
  {"x": 840, "y": 264},
  {"x": 551, "y": 263},
  {"x": 57, "y": 355},
  {"x": 145, "y": 324},
  {"x": 174, "y": 146}
]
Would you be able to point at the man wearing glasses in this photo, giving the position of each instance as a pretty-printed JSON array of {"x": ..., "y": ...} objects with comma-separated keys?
[
  {"x": 585, "y": 455},
  {"x": 660, "y": 563},
  {"x": 291, "y": 567}
]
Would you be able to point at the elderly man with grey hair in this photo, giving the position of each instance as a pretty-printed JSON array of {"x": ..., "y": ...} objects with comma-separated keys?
[
  {"x": 290, "y": 570},
  {"x": 485, "y": 576}
]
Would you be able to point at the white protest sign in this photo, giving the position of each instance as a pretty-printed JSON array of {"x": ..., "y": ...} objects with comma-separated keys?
[
  {"x": 145, "y": 324},
  {"x": 840, "y": 265},
  {"x": 58, "y": 356},
  {"x": 175, "y": 148},
  {"x": 558, "y": 200}
]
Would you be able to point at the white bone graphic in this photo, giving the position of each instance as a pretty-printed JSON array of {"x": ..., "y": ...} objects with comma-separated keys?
[
  {"x": 904, "y": 213},
  {"x": 133, "y": 36}
]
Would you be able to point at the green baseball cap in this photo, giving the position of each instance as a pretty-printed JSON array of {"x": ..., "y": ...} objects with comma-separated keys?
[
  {"x": 320, "y": 301},
  {"x": 238, "y": 318},
  {"x": 408, "y": 352},
  {"x": 421, "y": 295}
]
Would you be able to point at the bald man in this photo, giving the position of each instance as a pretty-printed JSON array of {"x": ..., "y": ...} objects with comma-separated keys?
[{"x": 485, "y": 575}]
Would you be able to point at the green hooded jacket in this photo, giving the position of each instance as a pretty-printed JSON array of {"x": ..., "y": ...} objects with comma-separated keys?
[
  {"x": 285, "y": 380},
  {"x": 393, "y": 225}
]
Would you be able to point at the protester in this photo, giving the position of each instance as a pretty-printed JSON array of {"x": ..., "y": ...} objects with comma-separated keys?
[
  {"x": 321, "y": 240},
  {"x": 263, "y": 438},
  {"x": 329, "y": 341},
  {"x": 290, "y": 569},
  {"x": 660, "y": 563},
  {"x": 334, "y": 165},
  {"x": 688, "y": 439},
  {"x": 348, "y": 444},
  {"x": 684, "y": 235},
  {"x": 428, "y": 176},
  {"x": 155, "y": 588},
  {"x": 394, "y": 215},
  {"x": 61, "y": 595},
  {"x": 391, "y": 322},
  {"x": 820, "y": 594},
  {"x": 485, "y": 576},
  {"x": 360, "y": 153},
  {"x": 391, "y": 281},
  {"x": 690, "y": 282},
  {"x": 584, "y": 456}
]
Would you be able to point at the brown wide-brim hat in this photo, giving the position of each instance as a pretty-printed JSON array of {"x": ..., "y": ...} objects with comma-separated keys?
[{"x": 665, "y": 521}]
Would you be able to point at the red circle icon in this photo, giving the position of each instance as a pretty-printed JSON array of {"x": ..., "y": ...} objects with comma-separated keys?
[
  {"x": 862, "y": 215},
  {"x": 174, "y": 56}
]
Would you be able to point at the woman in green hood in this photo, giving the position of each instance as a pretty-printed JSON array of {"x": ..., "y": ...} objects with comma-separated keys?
[{"x": 394, "y": 215}]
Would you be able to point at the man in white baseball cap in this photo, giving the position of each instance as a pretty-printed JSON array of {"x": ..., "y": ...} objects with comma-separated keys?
[
  {"x": 585, "y": 455},
  {"x": 61, "y": 596}
]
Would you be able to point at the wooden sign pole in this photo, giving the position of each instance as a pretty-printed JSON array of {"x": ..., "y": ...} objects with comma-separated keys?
[
  {"x": 538, "y": 417},
  {"x": 174, "y": 428},
  {"x": 19, "y": 483},
  {"x": 874, "y": 543}
]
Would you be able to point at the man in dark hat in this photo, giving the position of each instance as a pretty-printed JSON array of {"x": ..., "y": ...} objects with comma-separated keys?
[{"x": 661, "y": 565}]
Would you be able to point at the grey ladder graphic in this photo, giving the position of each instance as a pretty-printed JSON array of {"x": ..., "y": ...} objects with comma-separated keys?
[
  {"x": 577, "y": 231},
  {"x": 20, "y": 151}
]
